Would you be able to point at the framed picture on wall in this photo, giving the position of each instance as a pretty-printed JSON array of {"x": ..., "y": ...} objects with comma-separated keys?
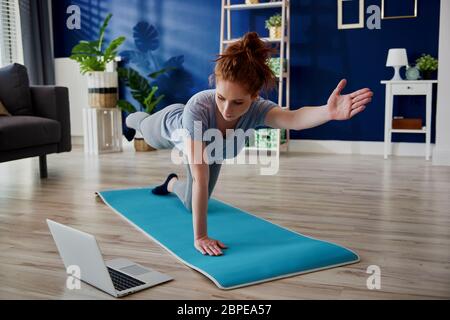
[
  {"x": 398, "y": 9},
  {"x": 350, "y": 14}
]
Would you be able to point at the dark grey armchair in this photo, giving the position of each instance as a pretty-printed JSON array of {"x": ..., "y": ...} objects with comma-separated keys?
[{"x": 39, "y": 123}]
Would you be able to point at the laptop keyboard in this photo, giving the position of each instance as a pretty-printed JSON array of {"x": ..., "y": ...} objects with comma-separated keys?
[{"x": 122, "y": 281}]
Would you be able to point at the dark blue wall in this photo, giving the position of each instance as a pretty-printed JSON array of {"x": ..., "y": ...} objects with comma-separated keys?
[{"x": 320, "y": 54}]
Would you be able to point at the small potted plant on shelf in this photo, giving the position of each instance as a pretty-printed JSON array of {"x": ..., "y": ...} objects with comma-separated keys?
[
  {"x": 93, "y": 60},
  {"x": 274, "y": 64},
  {"x": 274, "y": 26},
  {"x": 427, "y": 65}
]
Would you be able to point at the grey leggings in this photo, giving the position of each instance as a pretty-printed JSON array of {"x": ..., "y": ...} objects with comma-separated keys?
[{"x": 150, "y": 128}]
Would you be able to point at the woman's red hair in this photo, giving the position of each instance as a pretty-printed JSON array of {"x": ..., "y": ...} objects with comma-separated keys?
[{"x": 245, "y": 62}]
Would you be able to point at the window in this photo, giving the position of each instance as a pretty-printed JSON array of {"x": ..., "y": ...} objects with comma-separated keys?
[
  {"x": 1, "y": 43},
  {"x": 10, "y": 38}
]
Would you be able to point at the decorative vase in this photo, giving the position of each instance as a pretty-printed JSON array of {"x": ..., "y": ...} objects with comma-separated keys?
[
  {"x": 102, "y": 89},
  {"x": 412, "y": 73},
  {"x": 275, "y": 32},
  {"x": 251, "y": 1}
]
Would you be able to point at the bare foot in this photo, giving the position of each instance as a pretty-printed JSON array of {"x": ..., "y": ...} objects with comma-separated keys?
[{"x": 171, "y": 183}]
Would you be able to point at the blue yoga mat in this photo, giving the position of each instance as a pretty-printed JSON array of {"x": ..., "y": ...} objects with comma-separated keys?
[{"x": 258, "y": 250}]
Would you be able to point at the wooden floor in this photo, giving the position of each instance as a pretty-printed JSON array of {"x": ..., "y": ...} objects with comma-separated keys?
[{"x": 394, "y": 213}]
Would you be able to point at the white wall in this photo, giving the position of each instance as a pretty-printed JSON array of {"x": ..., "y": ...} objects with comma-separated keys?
[
  {"x": 441, "y": 154},
  {"x": 441, "y": 149},
  {"x": 67, "y": 74}
]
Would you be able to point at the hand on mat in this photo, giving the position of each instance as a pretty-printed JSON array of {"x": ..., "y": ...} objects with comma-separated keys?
[
  {"x": 209, "y": 246},
  {"x": 345, "y": 106}
]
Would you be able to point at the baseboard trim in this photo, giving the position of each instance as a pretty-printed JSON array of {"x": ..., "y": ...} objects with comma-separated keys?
[
  {"x": 357, "y": 147},
  {"x": 441, "y": 157},
  {"x": 350, "y": 147},
  {"x": 77, "y": 140}
]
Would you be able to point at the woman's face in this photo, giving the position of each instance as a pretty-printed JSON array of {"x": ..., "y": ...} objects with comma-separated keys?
[{"x": 232, "y": 99}]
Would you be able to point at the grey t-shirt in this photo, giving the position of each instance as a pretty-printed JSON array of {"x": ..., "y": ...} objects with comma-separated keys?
[{"x": 202, "y": 108}]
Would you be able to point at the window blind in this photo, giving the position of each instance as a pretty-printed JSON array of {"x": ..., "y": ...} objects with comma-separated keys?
[{"x": 10, "y": 39}]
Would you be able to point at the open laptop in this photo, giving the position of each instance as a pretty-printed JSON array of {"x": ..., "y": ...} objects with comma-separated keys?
[{"x": 118, "y": 277}]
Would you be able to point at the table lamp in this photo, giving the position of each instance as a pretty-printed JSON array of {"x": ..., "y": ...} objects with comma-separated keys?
[{"x": 397, "y": 58}]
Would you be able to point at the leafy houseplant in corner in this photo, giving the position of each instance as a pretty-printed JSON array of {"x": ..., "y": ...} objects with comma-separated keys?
[
  {"x": 144, "y": 94},
  {"x": 274, "y": 26},
  {"x": 93, "y": 60},
  {"x": 427, "y": 65},
  {"x": 147, "y": 78}
]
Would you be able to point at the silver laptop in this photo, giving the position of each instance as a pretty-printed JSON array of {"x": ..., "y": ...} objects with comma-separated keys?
[{"x": 118, "y": 277}]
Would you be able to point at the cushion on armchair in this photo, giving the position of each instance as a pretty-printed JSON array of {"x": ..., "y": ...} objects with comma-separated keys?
[
  {"x": 15, "y": 90},
  {"x": 3, "y": 111}
]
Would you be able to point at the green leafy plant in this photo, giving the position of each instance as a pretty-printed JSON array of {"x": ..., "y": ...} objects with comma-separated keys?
[
  {"x": 427, "y": 63},
  {"x": 273, "y": 21},
  {"x": 274, "y": 65},
  {"x": 90, "y": 54},
  {"x": 141, "y": 91}
]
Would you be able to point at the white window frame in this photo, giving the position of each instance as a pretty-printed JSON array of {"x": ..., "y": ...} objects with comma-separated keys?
[{"x": 1, "y": 45}]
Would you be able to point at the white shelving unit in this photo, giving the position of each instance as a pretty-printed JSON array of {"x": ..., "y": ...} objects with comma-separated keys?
[
  {"x": 284, "y": 54},
  {"x": 262, "y": 38}
]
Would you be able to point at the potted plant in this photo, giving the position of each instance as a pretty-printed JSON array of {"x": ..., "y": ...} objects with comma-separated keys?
[
  {"x": 144, "y": 76},
  {"x": 93, "y": 59},
  {"x": 144, "y": 94},
  {"x": 274, "y": 65},
  {"x": 274, "y": 26},
  {"x": 427, "y": 65}
]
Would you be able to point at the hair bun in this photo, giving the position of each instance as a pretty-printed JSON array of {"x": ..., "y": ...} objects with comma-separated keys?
[
  {"x": 251, "y": 40},
  {"x": 254, "y": 47}
]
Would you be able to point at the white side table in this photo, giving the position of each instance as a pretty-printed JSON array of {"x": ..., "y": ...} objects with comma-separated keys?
[
  {"x": 407, "y": 87},
  {"x": 102, "y": 130}
]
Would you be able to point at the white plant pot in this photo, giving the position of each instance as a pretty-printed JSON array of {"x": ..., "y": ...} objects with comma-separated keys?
[
  {"x": 275, "y": 32},
  {"x": 102, "y": 89}
]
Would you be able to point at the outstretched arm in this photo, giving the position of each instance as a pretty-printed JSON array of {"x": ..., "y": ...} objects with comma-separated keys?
[{"x": 338, "y": 107}]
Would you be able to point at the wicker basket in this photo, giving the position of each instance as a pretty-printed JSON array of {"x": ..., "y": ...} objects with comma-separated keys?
[{"x": 141, "y": 146}]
